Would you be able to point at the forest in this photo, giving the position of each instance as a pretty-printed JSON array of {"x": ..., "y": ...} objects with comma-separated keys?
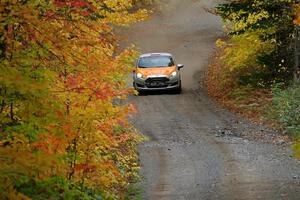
[
  {"x": 256, "y": 72},
  {"x": 64, "y": 128}
]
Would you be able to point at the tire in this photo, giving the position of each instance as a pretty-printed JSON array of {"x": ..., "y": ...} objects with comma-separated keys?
[
  {"x": 141, "y": 93},
  {"x": 134, "y": 85},
  {"x": 179, "y": 89}
]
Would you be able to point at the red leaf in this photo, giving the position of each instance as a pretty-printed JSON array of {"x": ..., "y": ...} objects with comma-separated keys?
[
  {"x": 85, "y": 13},
  {"x": 59, "y": 3},
  {"x": 79, "y": 4}
]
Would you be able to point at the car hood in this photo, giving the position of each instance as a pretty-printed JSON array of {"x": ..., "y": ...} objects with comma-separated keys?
[{"x": 156, "y": 71}]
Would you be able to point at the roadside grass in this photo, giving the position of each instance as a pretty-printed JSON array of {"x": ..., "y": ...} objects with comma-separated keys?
[{"x": 286, "y": 109}]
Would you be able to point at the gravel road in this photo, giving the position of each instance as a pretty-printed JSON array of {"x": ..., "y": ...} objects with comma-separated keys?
[{"x": 192, "y": 152}]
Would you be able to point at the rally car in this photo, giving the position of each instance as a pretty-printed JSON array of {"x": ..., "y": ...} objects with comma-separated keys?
[{"x": 157, "y": 71}]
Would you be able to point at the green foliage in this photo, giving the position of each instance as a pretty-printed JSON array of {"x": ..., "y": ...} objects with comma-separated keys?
[
  {"x": 260, "y": 44},
  {"x": 54, "y": 188},
  {"x": 247, "y": 15},
  {"x": 297, "y": 149},
  {"x": 286, "y": 108},
  {"x": 241, "y": 49},
  {"x": 134, "y": 193}
]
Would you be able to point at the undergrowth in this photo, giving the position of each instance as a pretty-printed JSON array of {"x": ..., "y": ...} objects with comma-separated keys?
[{"x": 253, "y": 69}]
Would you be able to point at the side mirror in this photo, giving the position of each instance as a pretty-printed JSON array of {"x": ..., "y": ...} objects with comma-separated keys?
[
  {"x": 180, "y": 66},
  {"x": 133, "y": 71}
]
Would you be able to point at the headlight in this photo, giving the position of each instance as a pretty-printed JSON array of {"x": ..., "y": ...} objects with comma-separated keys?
[
  {"x": 173, "y": 75},
  {"x": 139, "y": 75}
]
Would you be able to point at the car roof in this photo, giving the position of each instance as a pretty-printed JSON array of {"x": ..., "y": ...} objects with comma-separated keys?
[{"x": 154, "y": 54}]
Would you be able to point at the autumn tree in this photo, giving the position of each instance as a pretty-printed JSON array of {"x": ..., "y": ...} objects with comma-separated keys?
[
  {"x": 63, "y": 132},
  {"x": 258, "y": 61},
  {"x": 262, "y": 40}
]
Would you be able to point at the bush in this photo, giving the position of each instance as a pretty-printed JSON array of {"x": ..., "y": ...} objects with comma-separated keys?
[
  {"x": 286, "y": 107},
  {"x": 54, "y": 188},
  {"x": 241, "y": 57}
]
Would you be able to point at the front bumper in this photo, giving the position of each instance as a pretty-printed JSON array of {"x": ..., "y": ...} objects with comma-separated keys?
[
  {"x": 156, "y": 84},
  {"x": 158, "y": 88}
]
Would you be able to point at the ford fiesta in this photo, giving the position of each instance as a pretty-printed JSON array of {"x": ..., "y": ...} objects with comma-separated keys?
[{"x": 157, "y": 71}]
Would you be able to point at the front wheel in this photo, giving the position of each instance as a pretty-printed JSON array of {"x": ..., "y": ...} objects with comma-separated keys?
[
  {"x": 134, "y": 85},
  {"x": 179, "y": 89}
]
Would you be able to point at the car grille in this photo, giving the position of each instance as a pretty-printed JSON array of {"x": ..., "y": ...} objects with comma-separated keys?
[{"x": 157, "y": 82}]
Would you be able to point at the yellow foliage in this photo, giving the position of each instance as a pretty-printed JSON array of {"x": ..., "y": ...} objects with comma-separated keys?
[
  {"x": 241, "y": 49},
  {"x": 62, "y": 77}
]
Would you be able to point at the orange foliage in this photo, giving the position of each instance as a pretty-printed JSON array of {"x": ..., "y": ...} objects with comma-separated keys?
[
  {"x": 60, "y": 60},
  {"x": 297, "y": 14}
]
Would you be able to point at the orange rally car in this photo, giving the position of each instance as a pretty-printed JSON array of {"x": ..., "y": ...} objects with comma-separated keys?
[{"x": 157, "y": 71}]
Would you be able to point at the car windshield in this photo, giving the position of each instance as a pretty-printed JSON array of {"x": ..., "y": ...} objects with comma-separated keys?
[{"x": 156, "y": 61}]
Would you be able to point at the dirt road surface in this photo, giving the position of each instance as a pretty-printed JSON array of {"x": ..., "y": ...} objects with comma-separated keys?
[{"x": 192, "y": 152}]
